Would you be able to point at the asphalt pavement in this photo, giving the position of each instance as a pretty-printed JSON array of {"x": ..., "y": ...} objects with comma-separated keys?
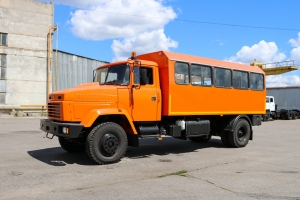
[{"x": 34, "y": 167}]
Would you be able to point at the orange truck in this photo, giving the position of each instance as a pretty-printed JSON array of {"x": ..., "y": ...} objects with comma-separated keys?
[{"x": 154, "y": 95}]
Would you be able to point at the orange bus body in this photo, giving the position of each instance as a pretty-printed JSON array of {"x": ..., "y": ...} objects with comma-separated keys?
[{"x": 197, "y": 100}]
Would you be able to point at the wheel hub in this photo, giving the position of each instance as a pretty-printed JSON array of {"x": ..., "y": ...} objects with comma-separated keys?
[
  {"x": 241, "y": 134},
  {"x": 109, "y": 143}
]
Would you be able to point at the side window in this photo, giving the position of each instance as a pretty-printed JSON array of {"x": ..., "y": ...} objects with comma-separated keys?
[
  {"x": 101, "y": 75},
  {"x": 271, "y": 99},
  {"x": 267, "y": 100},
  {"x": 222, "y": 77},
  {"x": 182, "y": 73},
  {"x": 256, "y": 81},
  {"x": 126, "y": 78},
  {"x": 240, "y": 80},
  {"x": 200, "y": 75},
  {"x": 149, "y": 76}
]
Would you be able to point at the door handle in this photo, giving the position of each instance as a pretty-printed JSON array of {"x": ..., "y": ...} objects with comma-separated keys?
[{"x": 153, "y": 98}]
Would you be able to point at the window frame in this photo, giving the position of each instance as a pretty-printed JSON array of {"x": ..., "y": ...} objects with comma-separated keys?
[
  {"x": 214, "y": 83},
  {"x": 201, "y": 65},
  {"x": 1, "y": 39},
  {"x": 188, "y": 75},
  {"x": 262, "y": 81},
  {"x": 248, "y": 78},
  {"x": 3, "y": 67}
]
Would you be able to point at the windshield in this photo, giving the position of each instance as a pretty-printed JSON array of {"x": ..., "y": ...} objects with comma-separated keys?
[{"x": 114, "y": 75}]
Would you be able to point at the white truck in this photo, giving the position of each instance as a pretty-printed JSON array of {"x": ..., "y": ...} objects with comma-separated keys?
[{"x": 273, "y": 112}]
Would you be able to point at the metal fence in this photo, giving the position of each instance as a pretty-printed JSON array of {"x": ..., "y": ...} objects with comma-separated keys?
[{"x": 69, "y": 70}]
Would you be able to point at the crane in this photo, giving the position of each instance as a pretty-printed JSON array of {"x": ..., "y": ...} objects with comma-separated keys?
[{"x": 276, "y": 67}]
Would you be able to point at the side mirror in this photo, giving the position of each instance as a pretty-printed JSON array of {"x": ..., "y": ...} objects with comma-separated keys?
[
  {"x": 143, "y": 76},
  {"x": 136, "y": 77},
  {"x": 94, "y": 74}
]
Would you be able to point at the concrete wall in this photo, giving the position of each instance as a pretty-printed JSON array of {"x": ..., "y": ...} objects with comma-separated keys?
[{"x": 27, "y": 24}]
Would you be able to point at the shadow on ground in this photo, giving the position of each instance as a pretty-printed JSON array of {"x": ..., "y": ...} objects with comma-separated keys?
[{"x": 58, "y": 157}]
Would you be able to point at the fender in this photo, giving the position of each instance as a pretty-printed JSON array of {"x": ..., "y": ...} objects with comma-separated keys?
[
  {"x": 231, "y": 126},
  {"x": 89, "y": 119}
]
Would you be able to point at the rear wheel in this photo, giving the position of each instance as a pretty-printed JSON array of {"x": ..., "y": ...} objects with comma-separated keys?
[
  {"x": 106, "y": 143},
  {"x": 71, "y": 146},
  {"x": 289, "y": 115},
  {"x": 203, "y": 138},
  {"x": 224, "y": 138},
  {"x": 241, "y": 134},
  {"x": 294, "y": 115}
]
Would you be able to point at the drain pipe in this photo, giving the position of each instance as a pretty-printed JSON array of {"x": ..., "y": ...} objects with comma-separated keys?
[{"x": 50, "y": 34}]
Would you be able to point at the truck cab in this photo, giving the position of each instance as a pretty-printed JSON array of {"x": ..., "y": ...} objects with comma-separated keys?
[{"x": 270, "y": 103}]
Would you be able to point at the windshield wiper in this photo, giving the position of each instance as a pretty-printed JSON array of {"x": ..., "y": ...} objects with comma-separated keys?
[{"x": 114, "y": 82}]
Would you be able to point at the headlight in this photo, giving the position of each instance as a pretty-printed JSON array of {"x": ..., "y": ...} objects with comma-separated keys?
[{"x": 65, "y": 130}]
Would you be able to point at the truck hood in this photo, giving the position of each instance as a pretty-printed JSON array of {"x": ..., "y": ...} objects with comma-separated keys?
[{"x": 92, "y": 92}]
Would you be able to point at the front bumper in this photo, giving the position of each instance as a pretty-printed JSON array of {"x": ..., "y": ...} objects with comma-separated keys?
[{"x": 56, "y": 128}]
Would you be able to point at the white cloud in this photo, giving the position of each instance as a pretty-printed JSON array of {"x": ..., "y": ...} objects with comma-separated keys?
[
  {"x": 282, "y": 80},
  {"x": 267, "y": 52},
  {"x": 264, "y": 52},
  {"x": 134, "y": 25},
  {"x": 146, "y": 42},
  {"x": 295, "y": 42},
  {"x": 295, "y": 54},
  {"x": 120, "y": 19}
]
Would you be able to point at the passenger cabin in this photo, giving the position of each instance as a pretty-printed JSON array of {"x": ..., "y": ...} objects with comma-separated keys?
[{"x": 193, "y": 85}]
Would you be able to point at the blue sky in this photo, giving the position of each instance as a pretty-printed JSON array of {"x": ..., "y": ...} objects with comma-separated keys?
[{"x": 110, "y": 29}]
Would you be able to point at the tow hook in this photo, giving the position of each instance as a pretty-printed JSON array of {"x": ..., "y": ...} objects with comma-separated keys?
[{"x": 49, "y": 136}]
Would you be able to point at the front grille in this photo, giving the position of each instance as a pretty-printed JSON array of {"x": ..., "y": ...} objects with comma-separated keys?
[{"x": 54, "y": 110}]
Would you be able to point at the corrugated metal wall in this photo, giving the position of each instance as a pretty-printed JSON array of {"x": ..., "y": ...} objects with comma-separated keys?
[
  {"x": 72, "y": 70},
  {"x": 286, "y": 97}
]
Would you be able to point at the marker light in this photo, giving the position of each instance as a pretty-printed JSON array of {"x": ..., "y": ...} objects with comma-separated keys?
[{"x": 133, "y": 55}]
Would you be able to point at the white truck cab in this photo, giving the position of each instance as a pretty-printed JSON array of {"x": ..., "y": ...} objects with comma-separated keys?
[{"x": 270, "y": 103}]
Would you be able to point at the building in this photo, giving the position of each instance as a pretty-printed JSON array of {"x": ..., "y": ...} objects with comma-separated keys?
[
  {"x": 25, "y": 55},
  {"x": 287, "y": 97},
  {"x": 24, "y": 25}
]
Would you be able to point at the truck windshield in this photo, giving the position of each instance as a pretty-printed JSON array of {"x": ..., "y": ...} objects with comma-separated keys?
[{"x": 114, "y": 75}]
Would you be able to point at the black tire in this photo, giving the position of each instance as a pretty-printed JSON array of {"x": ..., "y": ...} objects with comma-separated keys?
[
  {"x": 241, "y": 134},
  {"x": 289, "y": 116},
  {"x": 201, "y": 138},
  {"x": 294, "y": 115},
  {"x": 224, "y": 138},
  {"x": 71, "y": 146},
  {"x": 266, "y": 117},
  {"x": 106, "y": 143}
]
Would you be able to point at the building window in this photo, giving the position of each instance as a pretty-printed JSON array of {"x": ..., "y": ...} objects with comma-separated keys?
[
  {"x": 3, "y": 39},
  {"x": 182, "y": 73},
  {"x": 2, "y": 66},
  {"x": 222, "y": 77},
  {"x": 2, "y": 78}
]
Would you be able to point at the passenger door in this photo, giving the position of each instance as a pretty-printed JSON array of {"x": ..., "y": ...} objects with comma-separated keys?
[{"x": 145, "y": 99}]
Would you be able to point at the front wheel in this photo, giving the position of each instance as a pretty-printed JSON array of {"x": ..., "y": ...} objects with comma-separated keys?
[
  {"x": 106, "y": 143},
  {"x": 71, "y": 146},
  {"x": 203, "y": 138},
  {"x": 241, "y": 134}
]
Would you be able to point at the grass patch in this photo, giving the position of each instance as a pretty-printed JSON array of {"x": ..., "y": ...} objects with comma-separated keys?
[{"x": 178, "y": 173}]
